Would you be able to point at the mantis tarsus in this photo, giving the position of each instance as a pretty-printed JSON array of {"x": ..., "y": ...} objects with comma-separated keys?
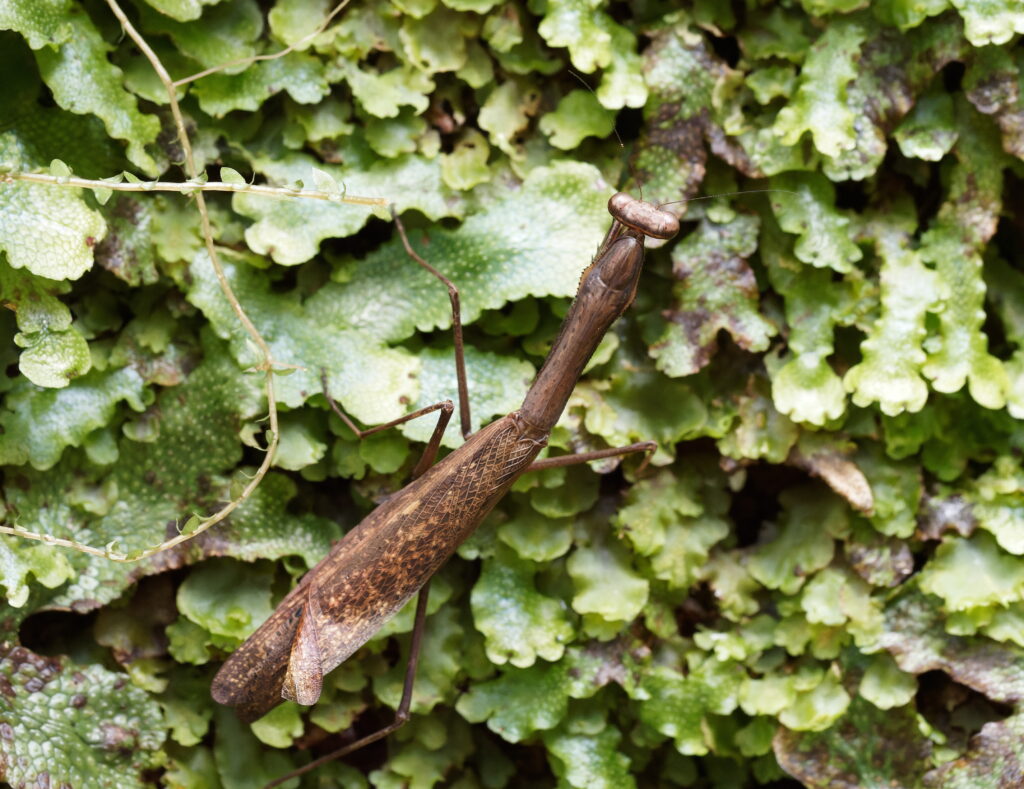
[{"x": 391, "y": 555}]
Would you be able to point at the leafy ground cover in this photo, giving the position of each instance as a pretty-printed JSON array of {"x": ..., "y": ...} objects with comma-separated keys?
[{"x": 818, "y": 581}]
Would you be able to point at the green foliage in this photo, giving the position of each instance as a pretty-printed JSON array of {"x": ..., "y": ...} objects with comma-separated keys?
[
  {"x": 53, "y": 351},
  {"x": 676, "y": 706},
  {"x": 41, "y": 423},
  {"x": 95, "y": 729},
  {"x": 49, "y": 235},
  {"x": 833, "y": 372},
  {"x": 820, "y": 106},
  {"x": 589, "y": 760},
  {"x": 578, "y": 115},
  {"x": 845, "y": 753},
  {"x": 518, "y": 623},
  {"x": 805, "y": 540},
  {"x": 83, "y": 81},
  {"x": 716, "y": 290}
]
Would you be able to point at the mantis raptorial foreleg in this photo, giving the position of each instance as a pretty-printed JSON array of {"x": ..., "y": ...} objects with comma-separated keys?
[
  {"x": 648, "y": 447},
  {"x": 429, "y": 453}
]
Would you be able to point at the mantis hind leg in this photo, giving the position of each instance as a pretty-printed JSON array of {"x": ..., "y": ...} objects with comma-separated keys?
[{"x": 401, "y": 714}]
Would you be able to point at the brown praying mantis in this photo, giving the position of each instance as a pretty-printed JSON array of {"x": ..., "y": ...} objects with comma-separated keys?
[{"x": 378, "y": 566}]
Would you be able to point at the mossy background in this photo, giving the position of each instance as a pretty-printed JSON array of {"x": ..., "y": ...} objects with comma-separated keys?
[{"x": 818, "y": 581}]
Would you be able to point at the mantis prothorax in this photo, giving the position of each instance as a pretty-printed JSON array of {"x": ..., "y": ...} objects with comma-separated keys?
[{"x": 391, "y": 555}]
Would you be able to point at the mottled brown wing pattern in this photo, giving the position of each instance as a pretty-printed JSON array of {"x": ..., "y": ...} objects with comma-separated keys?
[{"x": 371, "y": 573}]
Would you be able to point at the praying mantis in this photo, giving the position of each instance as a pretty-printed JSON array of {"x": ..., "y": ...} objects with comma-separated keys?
[{"x": 391, "y": 555}]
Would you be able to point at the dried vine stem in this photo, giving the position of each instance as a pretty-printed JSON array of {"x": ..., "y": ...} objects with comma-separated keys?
[
  {"x": 246, "y": 61},
  {"x": 188, "y": 187},
  {"x": 198, "y": 187}
]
